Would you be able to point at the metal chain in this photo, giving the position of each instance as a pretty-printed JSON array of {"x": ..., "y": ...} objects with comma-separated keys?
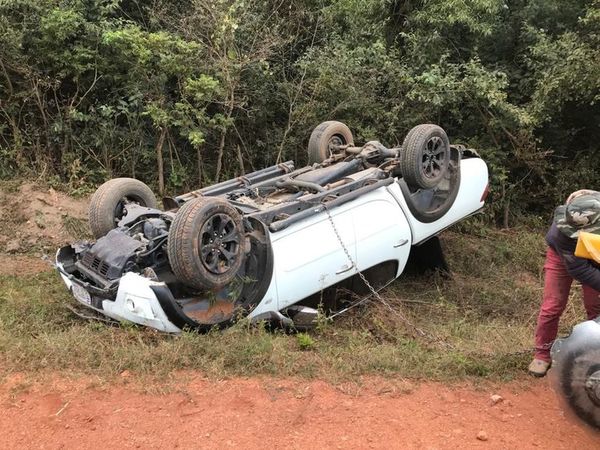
[
  {"x": 430, "y": 337},
  {"x": 373, "y": 291}
]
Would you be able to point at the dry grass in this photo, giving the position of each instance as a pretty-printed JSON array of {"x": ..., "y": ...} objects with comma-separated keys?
[{"x": 476, "y": 325}]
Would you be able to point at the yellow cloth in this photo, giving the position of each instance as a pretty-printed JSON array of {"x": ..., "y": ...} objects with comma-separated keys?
[{"x": 588, "y": 246}]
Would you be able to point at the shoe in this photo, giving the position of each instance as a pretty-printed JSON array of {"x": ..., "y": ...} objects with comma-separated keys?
[{"x": 538, "y": 367}]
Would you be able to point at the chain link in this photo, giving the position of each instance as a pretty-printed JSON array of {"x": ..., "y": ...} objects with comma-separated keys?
[{"x": 373, "y": 291}]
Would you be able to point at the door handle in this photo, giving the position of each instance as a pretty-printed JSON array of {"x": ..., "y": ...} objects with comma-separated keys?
[
  {"x": 345, "y": 268},
  {"x": 401, "y": 243}
]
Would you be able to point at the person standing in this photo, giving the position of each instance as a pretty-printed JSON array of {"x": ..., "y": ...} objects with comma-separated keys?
[{"x": 581, "y": 212}]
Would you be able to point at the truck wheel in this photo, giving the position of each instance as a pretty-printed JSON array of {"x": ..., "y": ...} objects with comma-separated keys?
[
  {"x": 429, "y": 205},
  {"x": 325, "y": 138},
  {"x": 107, "y": 203},
  {"x": 425, "y": 156},
  {"x": 575, "y": 371},
  {"x": 580, "y": 383},
  {"x": 205, "y": 244}
]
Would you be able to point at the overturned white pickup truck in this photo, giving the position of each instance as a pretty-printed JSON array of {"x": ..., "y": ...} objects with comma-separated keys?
[{"x": 275, "y": 243}]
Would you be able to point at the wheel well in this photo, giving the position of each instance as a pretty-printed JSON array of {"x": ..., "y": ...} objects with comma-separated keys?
[
  {"x": 429, "y": 205},
  {"x": 426, "y": 257}
]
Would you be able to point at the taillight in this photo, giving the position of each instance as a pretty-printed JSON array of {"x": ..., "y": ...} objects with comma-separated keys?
[{"x": 486, "y": 192}]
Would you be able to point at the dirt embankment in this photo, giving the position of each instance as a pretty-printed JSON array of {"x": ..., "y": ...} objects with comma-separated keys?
[
  {"x": 271, "y": 413},
  {"x": 35, "y": 222}
]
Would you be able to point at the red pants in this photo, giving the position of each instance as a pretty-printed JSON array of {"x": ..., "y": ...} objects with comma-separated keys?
[{"x": 557, "y": 284}]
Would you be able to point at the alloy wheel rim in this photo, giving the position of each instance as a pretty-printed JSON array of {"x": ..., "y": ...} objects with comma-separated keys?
[
  {"x": 219, "y": 244},
  {"x": 433, "y": 161}
]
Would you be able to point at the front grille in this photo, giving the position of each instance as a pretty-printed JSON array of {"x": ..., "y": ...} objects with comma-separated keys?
[
  {"x": 104, "y": 269},
  {"x": 96, "y": 264},
  {"x": 88, "y": 259},
  {"x": 110, "y": 255}
]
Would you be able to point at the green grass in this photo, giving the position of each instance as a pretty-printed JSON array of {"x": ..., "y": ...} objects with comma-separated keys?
[{"x": 478, "y": 324}]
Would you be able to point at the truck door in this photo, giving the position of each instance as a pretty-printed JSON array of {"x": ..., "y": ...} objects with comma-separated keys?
[
  {"x": 308, "y": 256},
  {"x": 382, "y": 231}
]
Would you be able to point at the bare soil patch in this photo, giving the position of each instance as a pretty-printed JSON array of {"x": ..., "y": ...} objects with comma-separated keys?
[
  {"x": 37, "y": 220},
  {"x": 22, "y": 265},
  {"x": 264, "y": 413}
]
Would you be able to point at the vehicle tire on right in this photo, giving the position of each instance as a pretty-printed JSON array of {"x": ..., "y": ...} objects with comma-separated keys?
[
  {"x": 425, "y": 156},
  {"x": 575, "y": 369},
  {"x": 206, "y": 243}
]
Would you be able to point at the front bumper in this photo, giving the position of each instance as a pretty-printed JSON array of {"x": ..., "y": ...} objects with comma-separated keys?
[{"x": 135, "y": 301}]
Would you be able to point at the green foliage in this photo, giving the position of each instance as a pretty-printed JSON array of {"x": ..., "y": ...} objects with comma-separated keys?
[
  {"x": 305, "y": 341},
  {"x": 91, "y": 89}
]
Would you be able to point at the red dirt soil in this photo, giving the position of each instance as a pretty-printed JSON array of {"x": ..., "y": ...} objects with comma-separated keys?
[
  {"x": 36, "y": 217},
  {"x": 264, "y": 413}
]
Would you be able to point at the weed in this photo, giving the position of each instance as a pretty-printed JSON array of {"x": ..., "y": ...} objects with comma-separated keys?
[
  {"x": 322, "y": 322},
  {"x": 78, "y": 228},
  {"x": 39, "y": 220},
  {"x": 305, "y": 342}
]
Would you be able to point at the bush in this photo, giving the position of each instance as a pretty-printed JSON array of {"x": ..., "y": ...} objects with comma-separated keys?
[{"x": 180, "y": 94}]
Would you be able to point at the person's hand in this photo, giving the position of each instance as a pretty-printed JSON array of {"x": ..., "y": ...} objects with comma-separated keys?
[{"x": 579, "y": 193}]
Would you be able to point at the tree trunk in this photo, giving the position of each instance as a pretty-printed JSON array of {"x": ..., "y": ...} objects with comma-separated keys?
[
  {"x": 159, "y": 161},
  {"x": 48, "y": 147},
  {"x": 240, "y": 160},
  {"x": 506, "y": 207},
  {"x": 223, "y": 135},
  {"x": 285, "y": 133},
  {"x": 106, "y": 161},
  {"x": 133, "y": 160},
  {"x": 200, "y": 165}
]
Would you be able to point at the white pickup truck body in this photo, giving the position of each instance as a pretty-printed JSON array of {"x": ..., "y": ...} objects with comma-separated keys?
[{"x": 310, "y": 255}]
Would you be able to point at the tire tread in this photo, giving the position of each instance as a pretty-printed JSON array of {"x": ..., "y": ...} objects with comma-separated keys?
[
  {"x": 315, "y": 143},
  {"x": 183, "y": 238},
  {"x": 104, "y": 200},
  {"x": 410, "y": 162}
]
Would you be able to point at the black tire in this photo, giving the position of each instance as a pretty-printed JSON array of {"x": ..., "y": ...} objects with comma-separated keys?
[
  {"x": 425, "y": 156},
  {"x": 324, "y": 136},
  {"x": 106, "y": 205},
  {"x": 574, "y": 370},
  {"x": 205, "y": 245},
  {"x": 429, "y": 205}
]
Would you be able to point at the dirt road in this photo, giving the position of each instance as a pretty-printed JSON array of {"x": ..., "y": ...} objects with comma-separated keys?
[{"x": 265, "y": 413}]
